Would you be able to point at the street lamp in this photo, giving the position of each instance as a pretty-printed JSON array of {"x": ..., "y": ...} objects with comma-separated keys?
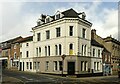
[
  {"x": 104, "y": 69},
  {"x": 63, "y": 57}
]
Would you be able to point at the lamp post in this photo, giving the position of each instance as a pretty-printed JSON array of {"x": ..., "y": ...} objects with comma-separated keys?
[
  {"x": 104, "y": 69},
  {"x": 63, "y": 57}
]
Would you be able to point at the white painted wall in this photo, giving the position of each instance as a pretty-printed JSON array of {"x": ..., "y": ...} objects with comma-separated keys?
[
  {"x": 64, "y": 39},
  {"x": 96, "y": 58},
  {"x": 25, "y": 48},
  {"x": 24, "y": 58}
]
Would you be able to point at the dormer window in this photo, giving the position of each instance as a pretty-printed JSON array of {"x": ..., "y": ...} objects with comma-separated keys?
[
  {"x": 47, "y": 20},
  {"x": 83, "y": 15},
  {"x": 38, "y": 23},
  {"x": 58, "y": 16}
]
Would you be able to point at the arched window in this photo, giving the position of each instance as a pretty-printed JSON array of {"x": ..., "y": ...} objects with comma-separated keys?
[
  {"x": 56, "y": 50},
  {"x": 71, "y": 46},
  {"x": 45, "y": 50},
  {"x": 60, "y": 49},
  {"x": 71, "y": 49},
  {"x": 39, "y": 51}
]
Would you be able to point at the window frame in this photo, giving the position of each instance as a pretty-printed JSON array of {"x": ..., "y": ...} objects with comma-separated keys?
[
  {"x": 48, "y": 34},
  {"x": 98, "y": 52},
  {"x": 55, "y": 66},
  {"x": 94, "y": 52},
  {"x": 48, "y": 50},
  {"x": 30, "y": 65},
  {"x": 60, "y": 65},
  {"x": 83, "y": 33},
  {"x": 27, "y": 44},
  {"x": 47, "y": 65},
  {"x": 70, "y": 30},
  {"x": 56, "y": 50},
  {"x": 45, "y": 50},
  {"x": 27, "y": 53},
  {"x": 60, "y": 49},
  {"x": 37, "y": 52},
  {"x": 27, "y": 65},
  {"x": 58, "y": 32},
  {"x": 38, "y": 36},
  {"x": 57, "y": 16},
  {"x": 47, "y": 20}
]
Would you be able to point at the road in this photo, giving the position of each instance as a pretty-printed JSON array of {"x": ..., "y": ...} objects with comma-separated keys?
[{"x": 18, "y": 77}]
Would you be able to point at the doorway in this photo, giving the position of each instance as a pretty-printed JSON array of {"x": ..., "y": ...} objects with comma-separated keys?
[{"x": 71, "y": 68}]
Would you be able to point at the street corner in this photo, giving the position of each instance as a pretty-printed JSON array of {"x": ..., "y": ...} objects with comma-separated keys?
[{"x": 10, "y": 80}]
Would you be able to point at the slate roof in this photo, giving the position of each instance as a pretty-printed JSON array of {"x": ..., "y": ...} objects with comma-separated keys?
[
  {"x": 9, "y": 42},
  {"x": 95, "y": 43},
  {"x": 12, "y": 40},
  {"x": 105, "y": 50},
  {"x": 29, "y": 38},
  {"x": 108, "y": 39},
  {"x": 70, "y": 13}
]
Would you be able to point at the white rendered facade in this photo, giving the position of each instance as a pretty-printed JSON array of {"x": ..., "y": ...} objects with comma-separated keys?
[
  {"x": 68, "y": 36},
  {"x": 26, "y": 56},
  {"x": 75, "y": 46},
  {"x": 96, "y": 60}
]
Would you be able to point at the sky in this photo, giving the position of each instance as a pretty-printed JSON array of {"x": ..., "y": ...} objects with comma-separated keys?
[{"x": 17, "y": 18}]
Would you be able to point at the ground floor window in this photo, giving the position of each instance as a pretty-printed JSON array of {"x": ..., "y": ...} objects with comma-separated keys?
[
  {"x": 30, "y": 65},
  {"x": 60, "y": 65},
  {"x": 98, "y": 66},
  {"x": 95, "y": 66},
  {"x": 27, "y": 64},
  {"x": 38, "y": 65},
  {"x": 55, "y": 65},
  {"x": 84, "y": 66},
  {"x": 34, "y": 65},
  {"x": 47, "y": 65}
]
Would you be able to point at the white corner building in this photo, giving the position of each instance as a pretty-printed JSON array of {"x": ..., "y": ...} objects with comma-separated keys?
[{"x": 62, "y": 45}]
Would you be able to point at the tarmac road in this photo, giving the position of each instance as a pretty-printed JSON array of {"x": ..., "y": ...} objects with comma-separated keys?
[{"x": 19, "y": 77}]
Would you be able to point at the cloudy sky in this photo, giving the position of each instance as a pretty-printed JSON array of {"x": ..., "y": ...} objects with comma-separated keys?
[{"x": 18, "y": 18}]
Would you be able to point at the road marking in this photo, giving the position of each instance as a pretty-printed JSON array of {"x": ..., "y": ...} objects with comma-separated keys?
[{"x": 26, "y": 78}]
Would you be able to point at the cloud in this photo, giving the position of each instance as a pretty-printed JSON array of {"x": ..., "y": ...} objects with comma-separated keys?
[
  {"x": 104, "y": 19},
  {"x": 15, "y": 22},
  {"x": 10, "y": 17},
  {"x": 110, "y": 23},
  {"x": 18, "y": 20}
]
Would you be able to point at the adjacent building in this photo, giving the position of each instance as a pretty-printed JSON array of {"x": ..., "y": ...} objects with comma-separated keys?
[
  {"x": 7, "y": 50},
  {"x": 96, "y": 54},
  {"x": 113, "y": 46},
  {"x": 26, "y": 54},
  {"x": 111, "y": 52}
]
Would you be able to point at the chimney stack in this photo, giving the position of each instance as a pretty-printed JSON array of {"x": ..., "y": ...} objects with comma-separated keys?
[{"x": 93, "y": 33}]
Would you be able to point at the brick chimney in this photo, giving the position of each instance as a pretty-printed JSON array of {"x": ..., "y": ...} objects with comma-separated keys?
[{"x": 93, "y": 33}]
